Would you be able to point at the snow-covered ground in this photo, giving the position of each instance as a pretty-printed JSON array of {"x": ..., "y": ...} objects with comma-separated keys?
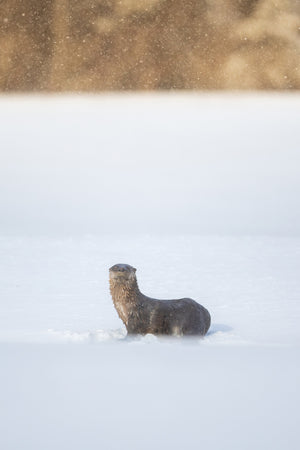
[
  {"x": 201, "y": 194},
  {"x": 56, "y": 289}
]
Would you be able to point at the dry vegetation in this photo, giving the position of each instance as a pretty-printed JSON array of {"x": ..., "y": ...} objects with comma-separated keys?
[{"x": 94, "y": 45}]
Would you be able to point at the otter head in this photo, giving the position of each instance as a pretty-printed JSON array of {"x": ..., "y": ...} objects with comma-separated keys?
[{"x": 122, "y": 273}]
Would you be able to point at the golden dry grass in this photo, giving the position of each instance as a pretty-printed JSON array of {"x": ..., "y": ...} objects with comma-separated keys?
[{"x": 96, "y": 45}]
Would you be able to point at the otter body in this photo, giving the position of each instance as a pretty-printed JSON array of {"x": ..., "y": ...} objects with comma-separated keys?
[{"x": 143, "y": 315}]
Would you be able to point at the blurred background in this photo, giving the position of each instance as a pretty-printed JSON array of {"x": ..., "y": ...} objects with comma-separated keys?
[
  {"x": 102, "y": 45},
  {"x": 190, "y": 157}
]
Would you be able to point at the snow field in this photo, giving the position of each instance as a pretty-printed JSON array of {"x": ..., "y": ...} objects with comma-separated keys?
[{"x": 201, "y": 194}]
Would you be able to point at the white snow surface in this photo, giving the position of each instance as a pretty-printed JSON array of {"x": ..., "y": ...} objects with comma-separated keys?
[{"x": 201, "y": 194}]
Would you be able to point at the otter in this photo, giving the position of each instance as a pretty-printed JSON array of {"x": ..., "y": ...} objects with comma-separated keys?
[{"x": 143, "y": 315}]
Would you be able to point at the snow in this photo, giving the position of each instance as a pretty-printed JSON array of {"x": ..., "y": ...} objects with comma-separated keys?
[
  {"x": 57, "y": 288},
  {"x": 176, "y": 164},
  {"x": 199, "y": 193},
  {"x": 141, "y": 396}
]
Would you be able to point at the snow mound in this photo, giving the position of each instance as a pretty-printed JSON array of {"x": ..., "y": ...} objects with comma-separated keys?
[{"x": 87, "y": 336}]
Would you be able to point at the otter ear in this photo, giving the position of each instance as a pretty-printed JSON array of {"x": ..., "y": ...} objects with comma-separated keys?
[{"x": 134, "y": 269}]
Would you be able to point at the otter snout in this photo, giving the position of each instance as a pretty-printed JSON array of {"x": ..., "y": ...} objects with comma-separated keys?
[{"x": 121, "y": 271}]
